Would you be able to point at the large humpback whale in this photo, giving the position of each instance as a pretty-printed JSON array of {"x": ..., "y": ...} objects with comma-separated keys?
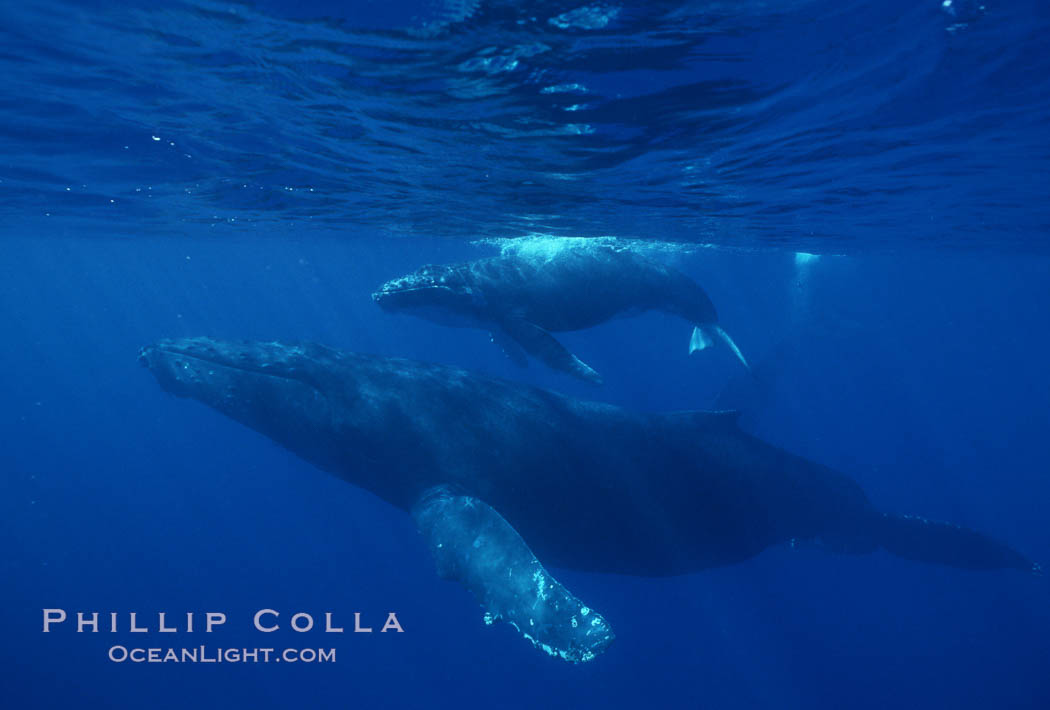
[
  {"x": 522, "y": 296},
  {"x": 499, "y": 476}
]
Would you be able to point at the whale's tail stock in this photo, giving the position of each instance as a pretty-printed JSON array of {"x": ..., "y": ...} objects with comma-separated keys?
[
  {"x": 709, "y": 334},
  {"x": 924, "y": 540}
]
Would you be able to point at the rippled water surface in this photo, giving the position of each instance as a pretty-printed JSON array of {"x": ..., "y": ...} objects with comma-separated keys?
[{"x": 821, "y": 126}]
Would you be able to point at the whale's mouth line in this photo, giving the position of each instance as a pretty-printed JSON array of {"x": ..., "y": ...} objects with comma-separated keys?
[
  {"x": 206, "y": 362},
  {"x": 391, "y": 290}
]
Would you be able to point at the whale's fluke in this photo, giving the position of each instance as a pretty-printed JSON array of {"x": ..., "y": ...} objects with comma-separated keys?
[
  {"x": 706, "y": 335},
  {"x": 699, "y": 340},
  {"x": 923, "y": 540},
  {"x": 475, "y": 546}
]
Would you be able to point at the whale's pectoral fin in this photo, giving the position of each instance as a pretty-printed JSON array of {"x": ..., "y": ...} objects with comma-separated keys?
[
  {"x": 475, "y": 546},
  {"x": 931, "y": 541},
  {"x": 510, "y": 347},
  {"x": 543, "y": 346}
]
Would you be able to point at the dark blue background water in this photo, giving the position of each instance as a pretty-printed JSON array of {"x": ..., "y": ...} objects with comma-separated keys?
[{"x": 315, "y": 158}]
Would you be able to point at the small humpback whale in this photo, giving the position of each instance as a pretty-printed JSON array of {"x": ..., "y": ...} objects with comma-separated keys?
[
  {"x": 523, "y": 296},
  {"x": 500, "y": 475}
]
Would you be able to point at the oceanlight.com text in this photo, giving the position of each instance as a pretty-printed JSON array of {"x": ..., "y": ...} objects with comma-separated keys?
[{"x": 204, "y": 654}]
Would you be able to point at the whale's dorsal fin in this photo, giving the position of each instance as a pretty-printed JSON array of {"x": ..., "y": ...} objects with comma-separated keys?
[
  {"x": 474, "y": 545},
  {"x": 542, "y": 345}
]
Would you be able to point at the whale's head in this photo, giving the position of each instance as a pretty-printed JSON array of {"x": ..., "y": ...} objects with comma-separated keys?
[
  {"x": 438, "y": 293},
  {"x": 217, "y": 371},
  {"x": 345, "y": 412},
  {"x": 303, "y": 396}
]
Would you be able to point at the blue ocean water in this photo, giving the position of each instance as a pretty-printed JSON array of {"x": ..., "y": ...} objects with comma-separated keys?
[{"x": 860, "y": 187}]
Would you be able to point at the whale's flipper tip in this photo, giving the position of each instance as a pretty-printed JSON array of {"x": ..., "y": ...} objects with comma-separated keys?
[
  {"x": 704, "y": 336},
  {"x": 474, "y": 545}
]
